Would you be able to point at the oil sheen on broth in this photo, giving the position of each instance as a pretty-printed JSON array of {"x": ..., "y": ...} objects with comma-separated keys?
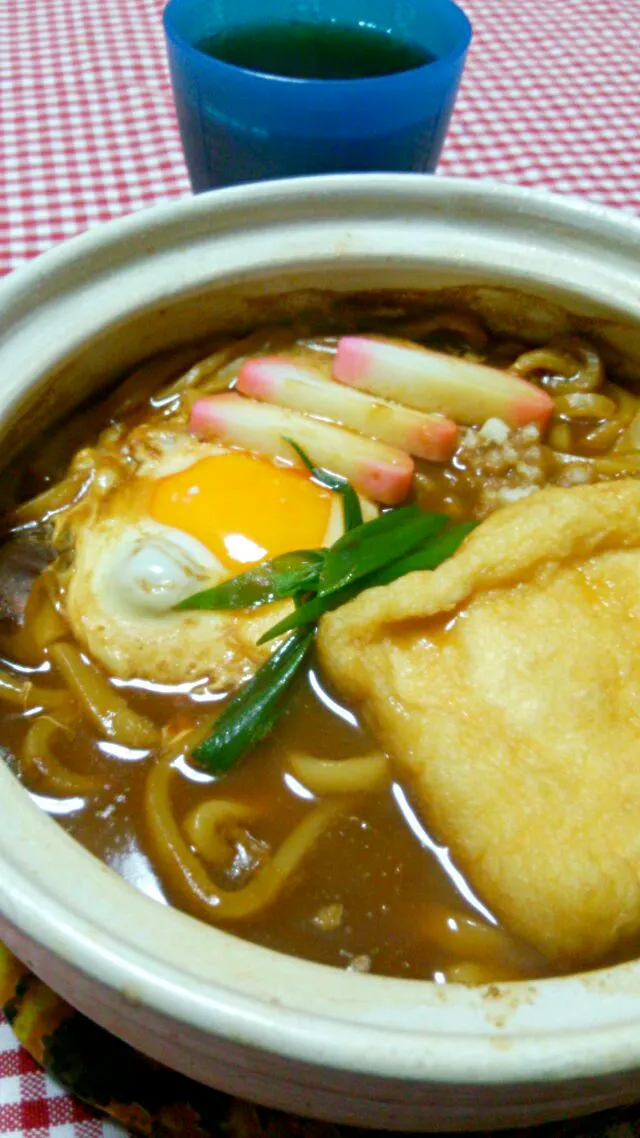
[{"x": 375, "y": 891}]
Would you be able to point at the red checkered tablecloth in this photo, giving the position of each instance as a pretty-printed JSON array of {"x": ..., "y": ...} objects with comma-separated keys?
[
  {"x": 33, "y": 1106},
  {"x": 551, "y": 98}
]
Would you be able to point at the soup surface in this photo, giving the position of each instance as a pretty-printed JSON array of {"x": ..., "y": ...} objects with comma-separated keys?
[{"x": 104, "y": 702}]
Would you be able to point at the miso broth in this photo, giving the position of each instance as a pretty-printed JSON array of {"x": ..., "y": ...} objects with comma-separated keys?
[{"x": 375, "y": 890}]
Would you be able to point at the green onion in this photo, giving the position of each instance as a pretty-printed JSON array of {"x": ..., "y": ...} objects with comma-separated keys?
[
  {"x": 377, "y": 543},
  {"x": 284, "y": 576},
  {"x": 253, "y": 712},
  {"x": 311, "y": 610},
  {"x": 351, "y": 508},
  {"x": 430, "y": 557},
  {"x": 367, "y": 555}
]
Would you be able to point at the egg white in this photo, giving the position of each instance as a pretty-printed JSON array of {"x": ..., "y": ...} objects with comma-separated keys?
[{"x": 128, "y": 572}]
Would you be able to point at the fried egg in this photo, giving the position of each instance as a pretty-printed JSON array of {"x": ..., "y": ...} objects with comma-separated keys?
[{"x": 187, "y": 516}]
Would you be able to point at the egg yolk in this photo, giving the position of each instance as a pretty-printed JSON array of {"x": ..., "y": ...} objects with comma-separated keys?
[{"x": 243, "y": 508}]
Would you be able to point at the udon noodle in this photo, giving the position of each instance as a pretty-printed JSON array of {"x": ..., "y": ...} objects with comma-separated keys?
[
  {"x": 175, "y": 854},
  {"x": 313, "y": 824}
]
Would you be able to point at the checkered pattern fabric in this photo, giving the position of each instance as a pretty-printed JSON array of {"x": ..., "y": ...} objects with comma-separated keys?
[
  {"x": 551, "y": 98},
  {"x": 32, "y": 1106}
]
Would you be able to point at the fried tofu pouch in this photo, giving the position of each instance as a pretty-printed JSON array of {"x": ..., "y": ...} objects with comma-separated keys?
[{"x": 505, "y": 686}]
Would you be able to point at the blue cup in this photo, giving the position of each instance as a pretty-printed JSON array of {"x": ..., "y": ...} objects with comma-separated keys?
[{"x": 244, "y": 126}]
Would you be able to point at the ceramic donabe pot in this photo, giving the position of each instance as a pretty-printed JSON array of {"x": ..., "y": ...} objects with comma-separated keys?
[{"x": 284, "y": 1032}]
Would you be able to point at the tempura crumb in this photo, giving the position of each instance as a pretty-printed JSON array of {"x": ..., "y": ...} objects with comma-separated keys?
[
  {"x": 515, "y": 493},
  {"x": 361, "y": 963},
  {"x": 501, "y": 464},
  {"x": 576, "y": 475},
  {"x": 495, "y": 431},
  {"x": 329, "y": 917}
]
